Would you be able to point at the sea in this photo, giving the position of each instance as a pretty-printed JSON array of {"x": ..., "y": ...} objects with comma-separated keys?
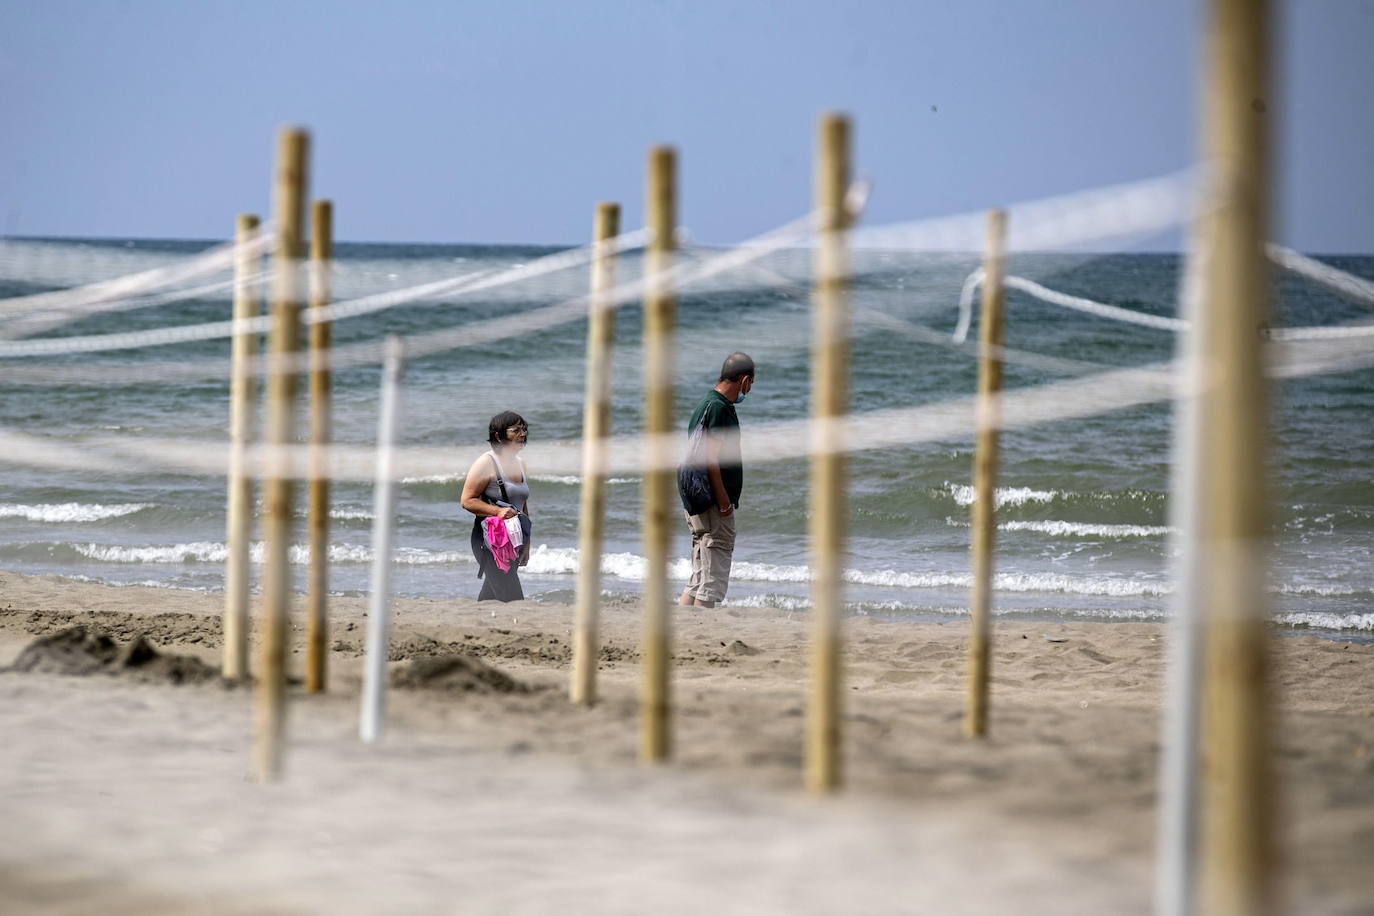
[{"x": 1083, "y": 504}]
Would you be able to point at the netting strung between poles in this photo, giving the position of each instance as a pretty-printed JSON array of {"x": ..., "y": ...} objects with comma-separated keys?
[
  {"x": 69, "y": 304},
  {"x": 1076, "y": 219},
  {"x": 1141, "y": 208},
  {"x": 1355, "y": 288}
]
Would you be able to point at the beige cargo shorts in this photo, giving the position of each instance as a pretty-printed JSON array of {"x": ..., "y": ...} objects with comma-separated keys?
[{"x": 713, "y": 546}]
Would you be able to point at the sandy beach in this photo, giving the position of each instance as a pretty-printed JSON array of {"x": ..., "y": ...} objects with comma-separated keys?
[{"x": 127, "y": 793}]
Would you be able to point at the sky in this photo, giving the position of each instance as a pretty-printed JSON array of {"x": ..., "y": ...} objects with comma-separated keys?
[{"x": 454, "y": 121}]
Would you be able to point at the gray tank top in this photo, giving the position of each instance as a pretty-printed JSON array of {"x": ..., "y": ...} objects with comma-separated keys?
[{"x": 517, "y": 494}]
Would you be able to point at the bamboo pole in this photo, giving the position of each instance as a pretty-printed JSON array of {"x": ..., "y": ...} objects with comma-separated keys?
[
  {"x": 829, "y": 403},
  {"x": 659, "y": 496},
  {"x": 595, "y": 427},
  {"x": 1238, "y": 855},
  {"x": 242, "y": 395},
  {"x": 317, "y": 591},
  {"x": 283, "y": 344},
  {"x": 985, "y": 456},
  {"x": 372, "y": 719}
]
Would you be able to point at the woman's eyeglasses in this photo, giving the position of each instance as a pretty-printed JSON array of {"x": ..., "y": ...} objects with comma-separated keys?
[{"x": 513, "y": 431}]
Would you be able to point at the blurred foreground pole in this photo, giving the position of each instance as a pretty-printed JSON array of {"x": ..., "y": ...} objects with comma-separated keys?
[
  {"x": 595, "y": 428},
  {"x": 987, "y": 441},
  {"x": 288, "y": 206},
  {"x": 1237, "y": 800},
  {"x": 317, "y": 591},
  {"x": 1177, "y": 815},
  {"x": 373, "y": 714},
  {"x": 829, "y": 404},
  {"x": 242, "y": 402},
  {"x": 659, "y": 493}
]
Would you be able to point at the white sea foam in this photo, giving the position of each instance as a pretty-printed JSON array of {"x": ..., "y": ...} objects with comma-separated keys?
[
  {"x": 570, "y": 480},
  {"x": 800, "y": 603},
  {"x": 1004, "y": 496},
  {"x": 631, "y": 567},
  {"x": 195, "y": 552},
  {"x": 1319, "y": 591},
  {"x": 1013, "y": 582},
  {"x": 141, "y": 583},
  {"x": 299, "y": 554},
  {"x": 1085, "y": 529},
  {"x": 1319, "y": 621},
  {"x": 59, "y": 513},
  {"x": 781, "y": 602},
  {"x": 350, "y": 514},
  {"x": 563, "y": 561},
  {"x": 628, "y": 566}
]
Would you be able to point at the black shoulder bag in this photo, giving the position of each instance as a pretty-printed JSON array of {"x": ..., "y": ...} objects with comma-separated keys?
[{"x": 693, "y": 482}]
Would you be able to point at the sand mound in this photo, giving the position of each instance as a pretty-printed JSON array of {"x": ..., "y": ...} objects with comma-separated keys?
[
  {"x": 81, "y": 651},
  {"x": 458, "y": 673}
]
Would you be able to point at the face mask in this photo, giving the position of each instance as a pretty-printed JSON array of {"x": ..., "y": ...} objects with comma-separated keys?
[{"x": 742, "y": 393}]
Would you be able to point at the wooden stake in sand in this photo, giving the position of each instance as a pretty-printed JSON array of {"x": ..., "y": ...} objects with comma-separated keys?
[
  {"x": 317, "y": 591},
  {"x": 242, "y": 398},
  {"x": 1237, "y": 835},
  {"x": 660, "y": 493},
  {"x": 829, "y": 403},
  {"x": 288, "y": 207},
  {"x": 595, "y": 427},
  {"x": 373, "y": 715},
  {"x": 989, "y": 421}
]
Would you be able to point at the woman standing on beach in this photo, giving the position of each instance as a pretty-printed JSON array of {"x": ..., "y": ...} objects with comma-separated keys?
[{"x": 495, "y": 485}]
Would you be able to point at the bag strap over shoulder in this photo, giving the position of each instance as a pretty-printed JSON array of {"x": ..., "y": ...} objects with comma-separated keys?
[{"x": 500, "y": 481}]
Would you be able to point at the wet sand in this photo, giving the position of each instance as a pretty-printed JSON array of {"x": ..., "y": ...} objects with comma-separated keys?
[{"x": 128, "y": 795}]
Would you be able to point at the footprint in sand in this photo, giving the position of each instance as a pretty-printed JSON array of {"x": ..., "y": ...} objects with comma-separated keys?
[{"x": 1097, "y": 656}]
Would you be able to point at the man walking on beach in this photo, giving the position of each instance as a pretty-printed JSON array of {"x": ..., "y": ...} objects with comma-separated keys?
[{"x": 713, "y": 531}]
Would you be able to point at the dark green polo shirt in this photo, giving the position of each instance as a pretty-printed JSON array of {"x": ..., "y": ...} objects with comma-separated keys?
[{"x": 723, "y": 424}]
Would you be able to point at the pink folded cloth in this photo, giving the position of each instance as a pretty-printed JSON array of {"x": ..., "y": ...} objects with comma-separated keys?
[{"x": 498, "y": 541}]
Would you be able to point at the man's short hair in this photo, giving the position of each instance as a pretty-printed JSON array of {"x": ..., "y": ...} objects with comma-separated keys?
[{"x": 736, "y": 367}]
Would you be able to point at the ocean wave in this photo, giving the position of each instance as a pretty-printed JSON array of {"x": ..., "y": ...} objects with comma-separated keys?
[
  {"x": 1003, "y": 496},
  {"x": 1077, "y": 529},
  {"x": 1014, "y": 582},
  {"x": 434, "y": 478},
  {"x": 631, "y": 567},
  {"x": 299, "y": 554},
  {"x": 58, "y": 513},
  {"x": 349, "y": 515},
  {"x": 1300, "y": 620},
  {"x": 1319, "y": 621},
  {"x": 1319, "y": 591},
  {"x": 563, "y": 561},
  {"x": 1084, "y": 529},
  {"x": 787, "y": 602},
  {"x": 1004, "y": 582},
  {"x": 628, "y": 566},
  {"x": 571, "y": 480},
  {"x": 141, "y": 583}
]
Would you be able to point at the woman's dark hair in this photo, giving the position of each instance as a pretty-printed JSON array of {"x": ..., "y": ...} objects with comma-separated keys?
[{"x": 496, "y": 429}]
